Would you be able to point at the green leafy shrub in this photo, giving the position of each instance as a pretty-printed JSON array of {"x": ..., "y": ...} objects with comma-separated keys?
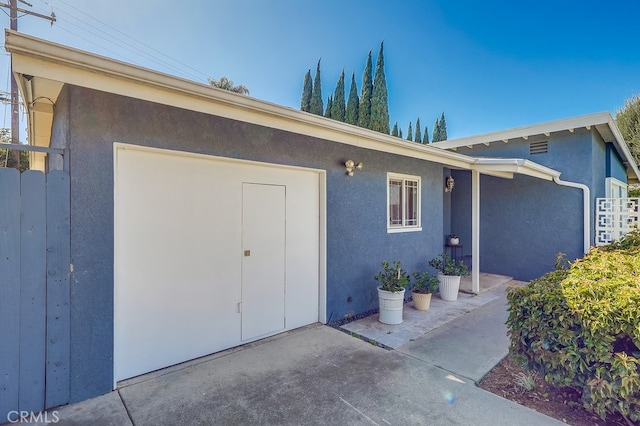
[
  {"x": 392, "y": 279},
  {"x": 580, "y": 327},
  {"x": 424, "y": 282},
  {"x": 446, "y": 265}
]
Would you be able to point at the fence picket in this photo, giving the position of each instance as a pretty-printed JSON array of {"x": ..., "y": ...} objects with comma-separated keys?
[
  {"x": 32, "y": 290},
  {"x": 9, "y": 289},
  {"x": 58, "y": 290}
]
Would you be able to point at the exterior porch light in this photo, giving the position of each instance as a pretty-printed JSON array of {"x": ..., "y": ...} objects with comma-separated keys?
[
  {"x": 350, "y": 166},
  {"x": 449, "y": 183}
]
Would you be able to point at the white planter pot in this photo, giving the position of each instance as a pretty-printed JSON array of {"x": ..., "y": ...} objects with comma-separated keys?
[
  {"x": 391, "y": 305},
  {"x": 421, "y": 301},
  {"x": 449, "y": 286},
  {"x": 454, "y": 241}
]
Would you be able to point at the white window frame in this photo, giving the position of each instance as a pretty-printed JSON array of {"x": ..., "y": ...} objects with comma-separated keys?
[
  {"x": 615, "y": 188},
  {"x": 404, "y": 227}
]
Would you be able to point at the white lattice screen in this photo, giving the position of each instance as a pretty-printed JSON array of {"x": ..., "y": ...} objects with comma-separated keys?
[{"x": 614, "y": 218}]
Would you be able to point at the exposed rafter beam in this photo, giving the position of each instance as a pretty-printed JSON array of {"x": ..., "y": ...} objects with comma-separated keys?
[
  {"x": 526, "y": 138},
  {"x": 572, "y": 130},
  {"x": 486, "y": 143}
]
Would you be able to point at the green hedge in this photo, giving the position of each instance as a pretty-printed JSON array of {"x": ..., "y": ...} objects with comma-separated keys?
[{"x": 580, "y": 327}]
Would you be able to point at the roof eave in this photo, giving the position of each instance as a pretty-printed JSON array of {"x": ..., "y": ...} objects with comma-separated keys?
[
  {"x": 597, "y": 120},
  {"x": 35, "y": 58},
  {"x": 514, "y": 166},
  {"x": 528, "y": 131}
]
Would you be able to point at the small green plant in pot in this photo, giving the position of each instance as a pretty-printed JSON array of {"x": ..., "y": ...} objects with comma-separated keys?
[
  {"x": 424, "y": 285},
  {"x": 446, "y": 265},
  {"x": 393, "y": 281},
  {"x": 449, "y": 274}
]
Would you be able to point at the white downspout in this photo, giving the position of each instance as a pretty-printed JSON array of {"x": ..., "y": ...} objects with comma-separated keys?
[{"x": 586, "y": 197}]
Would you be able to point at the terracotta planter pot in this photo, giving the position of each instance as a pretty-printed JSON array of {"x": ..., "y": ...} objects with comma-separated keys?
[
  {"x": 421, "y": 301},
  {"x": 449, "y": 286},
  {"x": 391, "y": 305}
]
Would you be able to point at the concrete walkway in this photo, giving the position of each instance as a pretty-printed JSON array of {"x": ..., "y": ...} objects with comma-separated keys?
[
  {"x": 418, "y": 323},
  {"x": 321, "y": 376}
]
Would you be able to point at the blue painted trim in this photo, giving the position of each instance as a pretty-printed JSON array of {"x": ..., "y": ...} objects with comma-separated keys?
[{"x": 607, "y": 170}]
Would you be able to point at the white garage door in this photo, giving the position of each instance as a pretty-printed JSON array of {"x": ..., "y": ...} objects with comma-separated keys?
[{"x": 209, "y": 254}]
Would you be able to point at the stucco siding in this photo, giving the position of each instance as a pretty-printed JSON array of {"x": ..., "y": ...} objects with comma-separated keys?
[
  {"x": 524, "y": 223},
  {"x": 614, "y": 165},
  {"x": 567, "y": 153},
  {"x": 357, "y": 240},
  {"x": 540, "y": 217}
]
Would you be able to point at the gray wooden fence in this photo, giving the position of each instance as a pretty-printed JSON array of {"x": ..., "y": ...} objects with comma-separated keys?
[{"x": 34, "y": 290}]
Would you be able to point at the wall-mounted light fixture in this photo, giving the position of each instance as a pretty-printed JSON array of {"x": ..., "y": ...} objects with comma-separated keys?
[
  {"x": 449, "y": 183},
  {"x": 350, "y": 166}
]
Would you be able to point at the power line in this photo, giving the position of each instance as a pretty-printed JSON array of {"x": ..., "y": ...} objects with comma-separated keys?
[
  {"x": 124, "y": 42},
  {"x": 15, "y": 100}
]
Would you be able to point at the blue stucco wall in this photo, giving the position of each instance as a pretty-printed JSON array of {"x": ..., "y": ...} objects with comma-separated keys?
[
  {"x": 567, "y": 153},
  {"x": 614, "y": 167},
  {"x": 90, "y": 121},
  {"x": 525, "y": 222}
]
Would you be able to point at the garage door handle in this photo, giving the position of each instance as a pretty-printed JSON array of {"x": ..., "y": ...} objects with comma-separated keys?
[
  {"x": 247, "y": 253},
  {"x": 239, "y": 307}
]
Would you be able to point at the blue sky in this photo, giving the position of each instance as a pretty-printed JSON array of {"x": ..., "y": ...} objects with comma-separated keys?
[{"x": 489, "y": 65}]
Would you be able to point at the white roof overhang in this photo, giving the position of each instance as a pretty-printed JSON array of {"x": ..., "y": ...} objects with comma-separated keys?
[
  {"x": 603, "y": 123},
  {"x": 507, "y": 167},
  {"x": 42, "y": 68}
]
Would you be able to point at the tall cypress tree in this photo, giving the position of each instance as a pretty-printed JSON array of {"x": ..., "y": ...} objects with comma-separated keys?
[
  {"x": 353, "y": 104},
  {"x": 338, "y": 108},
  {"x": 425, "y": 140},
  {"x": 364, "y": 119},
  {"x": 329, "y": 109},
  {"x": 394, "y": 131},
  {"x": 316, "y": 95},
  {"x": 307, "y": 88},
  {"x": 436, "y": 131},
  {"x": 410, "y": 133},
  {"x": 443, "y": 128},
  {"x": 380, "y": 97},
  {"x": 400, "y": 133},
  {"x": 418, "y": 137}
]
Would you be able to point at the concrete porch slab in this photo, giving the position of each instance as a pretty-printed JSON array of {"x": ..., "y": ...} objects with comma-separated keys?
[
  {"x": 487, "y": 282},
  {"x": 418, "y": 323}
]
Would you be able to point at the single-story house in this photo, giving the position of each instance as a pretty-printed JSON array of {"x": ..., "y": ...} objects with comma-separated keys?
[
  {"x": 198, "y": 219},
  {"x": 525, "y": 222}
]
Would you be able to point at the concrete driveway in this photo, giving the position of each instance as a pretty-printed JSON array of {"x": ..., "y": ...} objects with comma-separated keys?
[{"x": 318, "y": 375}]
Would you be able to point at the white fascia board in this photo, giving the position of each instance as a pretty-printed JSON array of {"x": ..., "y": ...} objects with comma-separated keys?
[
  {"x": 514, "y": 166},
  {"x": 527, "y": 131},
  {"x": 39, "y": 58}
]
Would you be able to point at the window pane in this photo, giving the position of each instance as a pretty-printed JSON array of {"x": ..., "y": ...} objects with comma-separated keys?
[
  {"x": 395, "y": 202},
  {"x": 411, "y": 190}
]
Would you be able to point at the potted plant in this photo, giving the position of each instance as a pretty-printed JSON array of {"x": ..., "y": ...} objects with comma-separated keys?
[
  {"x": 424, "y": 285},
  {"x": 449, "y": 274},
  {"x": 391, "y": 292}
]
